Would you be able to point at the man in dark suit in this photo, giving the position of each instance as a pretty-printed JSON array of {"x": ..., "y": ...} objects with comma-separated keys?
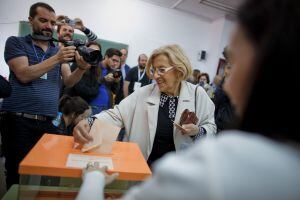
[{"x": 124, "y": 69}]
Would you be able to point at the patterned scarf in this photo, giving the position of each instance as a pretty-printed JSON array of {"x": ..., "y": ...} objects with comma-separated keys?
[{"x": 172, "y": 104}]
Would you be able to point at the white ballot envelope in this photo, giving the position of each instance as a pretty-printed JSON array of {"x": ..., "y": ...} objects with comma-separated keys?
[{"x": 104, "y": 135}]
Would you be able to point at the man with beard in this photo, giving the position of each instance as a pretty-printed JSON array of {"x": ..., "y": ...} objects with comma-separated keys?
[
  {"x": 137, "y": 76},
  {"x": 35, "y": 77},
  {"x": 65, "y": 31}
]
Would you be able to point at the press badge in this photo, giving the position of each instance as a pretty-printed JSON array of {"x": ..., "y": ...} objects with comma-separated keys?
[
  {"x": 44, "y": 76},
  {"x": 137, "y": 85}
]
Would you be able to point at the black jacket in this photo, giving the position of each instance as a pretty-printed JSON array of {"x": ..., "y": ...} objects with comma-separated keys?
[
  {"x": 223, "y": 109},
  {"x": 87, "y": 87}
]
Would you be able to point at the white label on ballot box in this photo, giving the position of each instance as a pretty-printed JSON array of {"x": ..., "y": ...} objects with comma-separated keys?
[{"x": 80, "y": 161}]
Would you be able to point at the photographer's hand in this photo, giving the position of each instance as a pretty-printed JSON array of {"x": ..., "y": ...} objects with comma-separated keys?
[
  {"x": 81, "y": 64},
  {"x": 65, "y": 54},
  {"x": 61, "y": 19},
  {"x": 79, "y": 24},
  {"x": 109, "y": 78},
  {"x": 117, "y": 80}
]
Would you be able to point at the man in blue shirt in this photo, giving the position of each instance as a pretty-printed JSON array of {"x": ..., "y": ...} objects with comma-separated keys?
[
  {"x": 35, "y": 77},
  {"x": 109, "y": 81}
]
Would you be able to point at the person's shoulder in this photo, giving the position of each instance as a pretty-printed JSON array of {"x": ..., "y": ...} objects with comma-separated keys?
[
  {"x": 14, "y": 39},
  {"x": 147, "y": 89},
  {"x": 192, "y": 87},
  {"x": 127, "y": 67},
  {"x": 254, "y": 146},
  {"x": 241, "y": 139},
  {"x": 134, "y": 68}
]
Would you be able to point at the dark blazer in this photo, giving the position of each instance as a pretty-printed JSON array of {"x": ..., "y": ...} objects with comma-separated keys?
[
  {"x": 120, "y": 92},
  {"x": 87, "y": 87},
  {"x": 223, "y": 109}
]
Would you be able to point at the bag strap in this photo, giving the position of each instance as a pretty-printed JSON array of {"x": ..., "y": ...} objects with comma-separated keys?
[{"x": 196, "y": 97}]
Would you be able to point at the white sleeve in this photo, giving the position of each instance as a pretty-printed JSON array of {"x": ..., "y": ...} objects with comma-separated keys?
[
  {"x": 92, "y": 186},
  {"x": 121, "y": 113},
  {"x": 183, "y": 176}
]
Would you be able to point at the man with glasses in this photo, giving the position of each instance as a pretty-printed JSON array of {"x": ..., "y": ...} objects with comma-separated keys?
[
  {"x": 109, "y": 81},
  {"x": 137, "y": 76}
]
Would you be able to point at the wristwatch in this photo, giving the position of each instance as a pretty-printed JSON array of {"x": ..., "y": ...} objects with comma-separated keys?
[{"x": 202, "y": 132}]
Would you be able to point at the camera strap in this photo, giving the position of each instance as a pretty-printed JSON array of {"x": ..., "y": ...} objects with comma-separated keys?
[{"x": 40, "y": 37}]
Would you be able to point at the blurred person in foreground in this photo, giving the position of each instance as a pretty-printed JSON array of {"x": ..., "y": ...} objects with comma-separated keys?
[
  {"x": 261, "y": 158},
  {"x": 224, "y": 111}
]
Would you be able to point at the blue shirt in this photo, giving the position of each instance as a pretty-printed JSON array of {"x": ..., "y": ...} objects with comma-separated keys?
[
  {"x": 102, "y": 98},
  {"x": 39, "y": 96}
]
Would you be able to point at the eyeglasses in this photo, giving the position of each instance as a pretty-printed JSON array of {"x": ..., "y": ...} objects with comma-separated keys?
[
  {"x": 160, "y": 71},
  {"x": 115, "y": 60}
]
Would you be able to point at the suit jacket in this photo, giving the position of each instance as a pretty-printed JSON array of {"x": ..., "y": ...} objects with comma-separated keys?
[
  {"x": 138, "y": 113},
  {"x": 120, "y": 92},
  {"x": 127, "y": 68}
]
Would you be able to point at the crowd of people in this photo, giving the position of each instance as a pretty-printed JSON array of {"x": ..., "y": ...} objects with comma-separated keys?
[{"x": 53, "y": 88}]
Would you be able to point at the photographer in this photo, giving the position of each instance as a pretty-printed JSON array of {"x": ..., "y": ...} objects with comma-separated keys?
[
  {"x": 66, "y": 26},
  {"x": 109, "y": 79},
  {"x": 88, "y": 87},
  {"x": 35, "y": 64}
]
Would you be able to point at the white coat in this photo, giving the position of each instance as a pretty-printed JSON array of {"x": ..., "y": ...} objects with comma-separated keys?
[
  {"x": 138, "y": 113},
  {"x": 234, "y": 166}
]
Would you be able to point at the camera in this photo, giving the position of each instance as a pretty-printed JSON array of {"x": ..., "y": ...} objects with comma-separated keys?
[
  {"x": 89, "y": 55},
  {"x": 70, "y": 22},
  {"x": 117, "y": 73}
]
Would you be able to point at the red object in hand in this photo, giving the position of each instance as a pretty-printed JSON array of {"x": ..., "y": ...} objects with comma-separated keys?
[{"x": 188, "y": 117}]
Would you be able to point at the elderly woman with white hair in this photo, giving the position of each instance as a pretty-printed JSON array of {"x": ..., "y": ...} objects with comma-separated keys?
[{"x": 149, "y": 113}]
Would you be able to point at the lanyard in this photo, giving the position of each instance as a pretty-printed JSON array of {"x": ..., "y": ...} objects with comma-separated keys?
[
  {"x": 37, "y": 55},
  {"x": 123, "y": 72},
  {"x": 139, "y": 74}
]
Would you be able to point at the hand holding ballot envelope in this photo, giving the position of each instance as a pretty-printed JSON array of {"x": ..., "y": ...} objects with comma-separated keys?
[
  {"x": 99, "y": 138},
  {"x": 188, "y": 123}
]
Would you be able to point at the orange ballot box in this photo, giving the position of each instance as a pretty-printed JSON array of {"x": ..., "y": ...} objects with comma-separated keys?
[
  {"x": 50, "y": 155},
  {"x": 54, "y": 165}
]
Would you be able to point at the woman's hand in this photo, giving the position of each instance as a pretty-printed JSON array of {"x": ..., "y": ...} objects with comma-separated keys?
[
  {"x": 188, "y": 117},
  {"x": 109, "y": 78},
  {"x": 190, "y": 129},
  {"x": 81, "y": 132},
  {"x": 91, "y": 167}
]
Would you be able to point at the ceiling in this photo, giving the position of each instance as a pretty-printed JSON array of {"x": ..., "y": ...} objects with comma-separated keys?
[{"x": 206, "y": 9}]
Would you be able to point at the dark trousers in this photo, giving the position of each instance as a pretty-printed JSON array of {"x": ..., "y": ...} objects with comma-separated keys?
[{"x": 19, "y": 135}]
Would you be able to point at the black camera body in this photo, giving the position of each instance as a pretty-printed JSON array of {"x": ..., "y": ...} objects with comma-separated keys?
[
  {"x": 89, "y": 55},
  {"x": 117, "y": 73}
]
